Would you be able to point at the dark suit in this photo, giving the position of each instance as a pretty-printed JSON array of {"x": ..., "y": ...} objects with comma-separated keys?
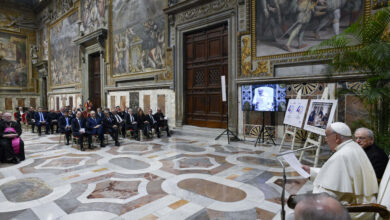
[
  {"x": 108, "y": 124},
  {"x": 52, "y": 117},
  {"x": 29, "y": 117},
  {"x": 132, "y": 124},
  {"x": 161, "y": 122},
  {"x": 76, "y": 125},
  {"x": 153, "y": 124},
  {"x": 145, "y": 127},
  {"x": 100, "y": 115},
  {"x": 91, "y": 130},
  {"x": 38, "y": 120},
  {"x": 120, "y": 122},
  {"x": 378, "y": 159},
  {"x": 63, "y": 122},
  {"x": 18, "y": 117}
]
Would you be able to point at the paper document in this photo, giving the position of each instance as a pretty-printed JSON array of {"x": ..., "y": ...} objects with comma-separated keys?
[{"x": 295, "y": 164}]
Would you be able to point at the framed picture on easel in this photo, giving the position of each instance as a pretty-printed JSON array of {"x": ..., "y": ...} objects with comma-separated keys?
[
  {"x": 320, "y": 115},
  {"x": 295, "y": 114}
]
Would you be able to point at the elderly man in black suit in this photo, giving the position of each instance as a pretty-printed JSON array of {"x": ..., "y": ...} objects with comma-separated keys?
[
  {"x": 95, "y": 127},
  {"x": 110, "y": 126},
  {"x": 365, "y": 138},
  {"x": 132, "y": 123},
  {"x": 78, "y": 129},
  {"x": 41, "y": 120}
]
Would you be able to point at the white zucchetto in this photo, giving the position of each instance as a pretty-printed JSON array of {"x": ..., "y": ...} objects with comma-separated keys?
[{"x": 341, "y": 129}]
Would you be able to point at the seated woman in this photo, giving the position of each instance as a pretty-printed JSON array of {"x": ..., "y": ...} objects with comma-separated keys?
[{"x": 11, "y": 145}]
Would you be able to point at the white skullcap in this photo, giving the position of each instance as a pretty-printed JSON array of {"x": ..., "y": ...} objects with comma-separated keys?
[{"x": 341, "y": 129}]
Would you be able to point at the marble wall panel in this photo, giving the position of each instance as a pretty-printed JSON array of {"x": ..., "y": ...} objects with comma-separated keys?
[{"x": 146, "y": 103}]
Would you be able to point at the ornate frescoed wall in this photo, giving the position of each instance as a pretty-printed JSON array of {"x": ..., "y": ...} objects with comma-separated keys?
[
  {"x": 292, "y": 26},
  {"x": 63, "y": 52},
  {"x": 138, "y": 36},
  {"x": 93, "y": 14},
  {"x": 43, "y": 43},
  {"x": 13, "y": 62}
]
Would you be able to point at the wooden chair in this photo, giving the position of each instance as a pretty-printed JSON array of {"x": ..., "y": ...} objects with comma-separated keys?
[{"x": 382, "y": 207}]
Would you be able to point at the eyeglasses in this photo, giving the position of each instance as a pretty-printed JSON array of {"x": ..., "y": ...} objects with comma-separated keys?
[{"x": 360, "y": 138}]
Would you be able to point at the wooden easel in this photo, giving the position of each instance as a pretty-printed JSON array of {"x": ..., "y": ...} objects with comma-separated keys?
[
  {"x": 317, "y": 143},
  {"x": 290, "y": 130}
]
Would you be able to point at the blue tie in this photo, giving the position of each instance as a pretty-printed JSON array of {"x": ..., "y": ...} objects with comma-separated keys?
[
  {"x": 67, "y": 122},
  {"x": 41, "y": 116}
]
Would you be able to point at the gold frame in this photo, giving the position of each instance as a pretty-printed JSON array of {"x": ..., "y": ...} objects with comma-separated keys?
[
  {"x": 252, "y": 30},
  {"x": 111, "y": 51},
  {"x": 49, "y": 27},
  {"x": 27, "y": 37}
]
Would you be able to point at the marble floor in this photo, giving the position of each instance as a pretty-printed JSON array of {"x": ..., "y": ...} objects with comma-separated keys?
[{"x": 182, "y": 177}]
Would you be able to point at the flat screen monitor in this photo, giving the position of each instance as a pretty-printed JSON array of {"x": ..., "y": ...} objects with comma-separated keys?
[{"x": 264, "y": 97}]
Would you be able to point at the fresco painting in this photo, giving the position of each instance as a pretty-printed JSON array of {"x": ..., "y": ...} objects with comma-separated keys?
[
  {"x": 64, "y": 53},
  {"x": 93, "y": 15},
  {"x": 13, "y": 62},
  {"x": 138, "y": 36},
  {"x": 284, "y": 26}
]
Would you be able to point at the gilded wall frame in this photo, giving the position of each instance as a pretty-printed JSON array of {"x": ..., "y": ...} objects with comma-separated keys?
[
  {"x": 263, "y": 65},
  {"x": 28, "y": 38},
  {"x": 111, "y": 50},
  {"x": 50, "y": 26},
  {"x": 376, "y": 4}
]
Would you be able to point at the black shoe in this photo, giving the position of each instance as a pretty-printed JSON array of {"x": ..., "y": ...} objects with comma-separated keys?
[
  {"x": 82, "y": 148},
  {"x": 14, "y": 160},
  {"x": 168, "y": 134},
  {"x": 90, "y": 147},
  {"x": 67, "y": 143},
  {"x": 117, "y": 144},
  {"x": 158, "y": 135},
  {"x": 39, "y": 134},
  {"x": 102, "y": 145}
]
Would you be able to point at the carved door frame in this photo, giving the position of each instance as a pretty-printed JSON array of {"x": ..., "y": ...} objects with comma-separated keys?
[{"x": 228, "y": 17}]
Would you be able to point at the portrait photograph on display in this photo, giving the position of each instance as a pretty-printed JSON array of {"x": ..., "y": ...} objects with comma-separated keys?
[
  {"x": 320, "y": 115},
  {"x": 284, "y": 26},
  {"x": 266, "y": 97},
  {"x": 295, "y": 113}
]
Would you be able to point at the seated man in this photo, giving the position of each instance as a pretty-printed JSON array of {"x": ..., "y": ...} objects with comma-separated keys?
[
  {"x": 65, "y": 125},
  {"x": 378, "y": 158},
  {"x": 119, "y": 121},
  {"x": 11, "y": 145},
  {"x": 52, "y": 117},
  {"x": 99, "y": 113},
  {"x": 95, "y": 127},
  {"x": 132, "y": 124},
  {"x": 161, "y": 121},
  {"x": 151, "y": 122},
  {"x": 78, "y": 130},
  {"x": 320, "y": 207},
  {"x": 41, "y": 120},
  {"x": 18, "y": 115},
  {"x": 348, "y": 175},
  {"x": 31, "y": 118},
  {"x": 109, "y": 126}
]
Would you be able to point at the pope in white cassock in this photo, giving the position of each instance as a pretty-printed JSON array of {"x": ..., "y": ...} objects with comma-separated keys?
[
  {"x": 348, "y": 175},
  {"x": 263, "y": 99}
]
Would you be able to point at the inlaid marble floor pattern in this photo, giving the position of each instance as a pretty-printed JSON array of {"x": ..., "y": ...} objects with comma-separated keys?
[{"x": 182, "y": 177}]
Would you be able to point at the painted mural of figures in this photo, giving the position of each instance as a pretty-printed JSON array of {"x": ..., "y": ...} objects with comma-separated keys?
[
  {"x": 93, "y": 14},
  {"x": 139, "y": 36}
]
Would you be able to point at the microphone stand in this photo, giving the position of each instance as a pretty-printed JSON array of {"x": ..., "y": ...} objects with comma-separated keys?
[{"x": 279, "y": 157}]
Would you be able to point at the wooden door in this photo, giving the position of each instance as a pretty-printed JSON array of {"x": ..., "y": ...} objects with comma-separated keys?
[
  {"x": 206, "y": 60},
  {"x": 95, "y": 81}
]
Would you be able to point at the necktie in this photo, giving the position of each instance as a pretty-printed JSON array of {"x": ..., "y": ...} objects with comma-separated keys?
[
  {"x": 41, "y": 116},
  {"x": 118, "y": 119},
  {"x": 131, "y": 118},
  {"x": 152, "y": 118},
  {"x": 67, "y": 122},
  {"x": 79, "y": 122}
]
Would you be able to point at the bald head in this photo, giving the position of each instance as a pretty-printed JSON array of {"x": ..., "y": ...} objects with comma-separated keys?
[
  {"x": 7, "y": 116},
  {"x": 321, "y": 207}
]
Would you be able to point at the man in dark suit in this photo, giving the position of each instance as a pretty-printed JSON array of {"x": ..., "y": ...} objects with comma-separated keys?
[
  {"x": 78, "y": 129},
  {"x": 30, "y": 117},
  {"x": 18, "y": 115},
  {"x": 365, "y": 138},
  {"x": 52, "y": 117},
  {"x": 120, "y": 122},
  {"x": 132, "y": 124},
  {"x": 71, "y": 114},
  {"x": 95, "y": 127},
  {"x": 80, "y": 109},
  {"x": 41, "y": 120},
  {"x": 161, "y": 121},
  {"x": 99, "y": 113},
  {"x": 65, "y": 125},
  {"x": 109, "y": 125},
  {"x": 152, "y": 122}
]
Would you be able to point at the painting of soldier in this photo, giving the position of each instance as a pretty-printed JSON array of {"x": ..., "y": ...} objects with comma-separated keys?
[
  {"x": 93, "y": 14},
  {"x": 284, "y": 26},
  {"x": 13, "y": 65},
  {"x": 139, "y": 36},
  {"x": 64, "y": 61}
]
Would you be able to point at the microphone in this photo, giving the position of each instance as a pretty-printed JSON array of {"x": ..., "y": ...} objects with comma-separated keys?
[{"x": 294, "y": 151}]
